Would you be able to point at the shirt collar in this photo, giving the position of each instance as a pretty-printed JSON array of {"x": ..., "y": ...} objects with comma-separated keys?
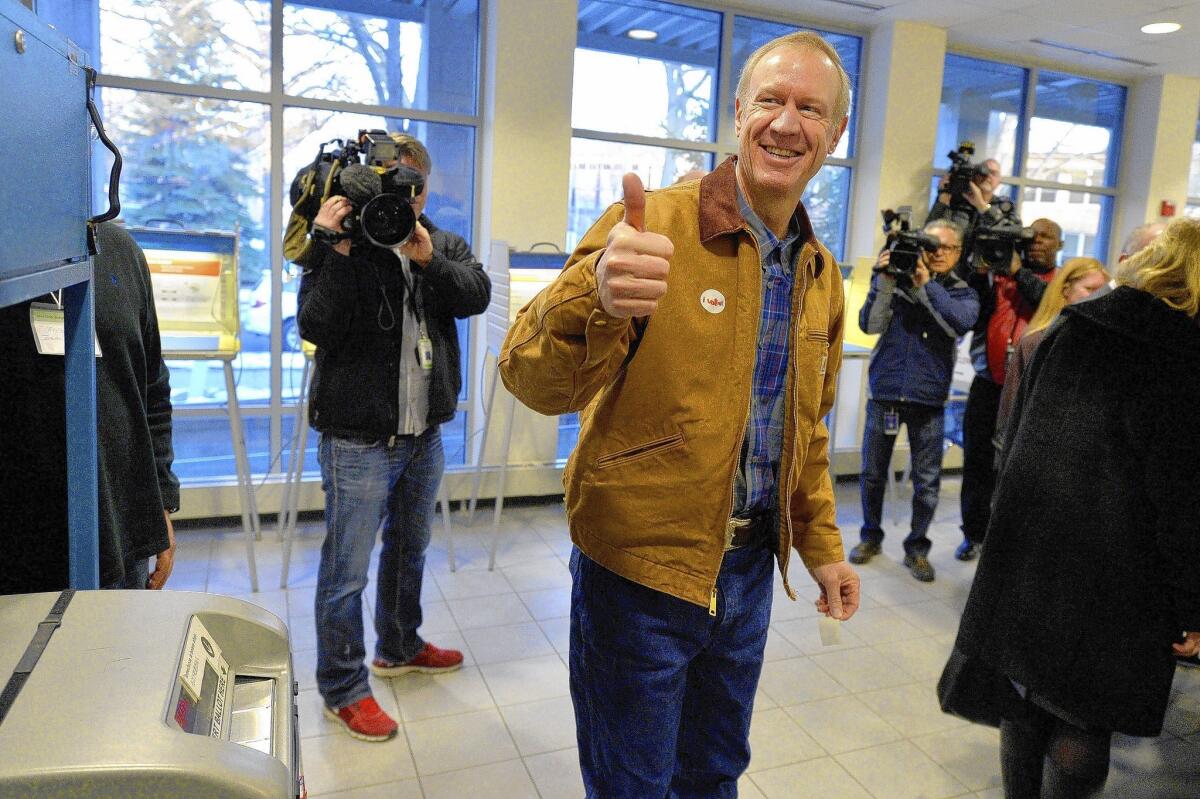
[{"x": 767, "y": 240}]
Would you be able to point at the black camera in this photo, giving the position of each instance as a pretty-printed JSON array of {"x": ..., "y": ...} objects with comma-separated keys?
[
  {"x": 904, "y": 244},
  {"x": 963, "y": 172},
  {"x": 381, "y": 193},
  {"x": 995, "y": 246}
]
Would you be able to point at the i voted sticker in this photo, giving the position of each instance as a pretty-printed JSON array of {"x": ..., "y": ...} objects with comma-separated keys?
[{"x": 712, "y": 301}]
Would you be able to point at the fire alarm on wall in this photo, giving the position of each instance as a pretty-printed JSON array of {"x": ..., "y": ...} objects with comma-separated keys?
[{"x": 1167, "y": 208}]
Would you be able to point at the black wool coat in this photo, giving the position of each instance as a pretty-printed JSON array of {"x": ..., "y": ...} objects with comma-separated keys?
[{"x": 1091, "y": 567}]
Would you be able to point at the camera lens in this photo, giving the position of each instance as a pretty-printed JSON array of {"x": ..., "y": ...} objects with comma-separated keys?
[{"x": 387, "y": 220}]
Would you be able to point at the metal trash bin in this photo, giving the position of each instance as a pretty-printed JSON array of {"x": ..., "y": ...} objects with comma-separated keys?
[{"x": 146, "y": 693}]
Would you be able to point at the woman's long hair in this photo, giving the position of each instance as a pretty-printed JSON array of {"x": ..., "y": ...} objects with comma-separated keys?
[
  {"x": 1169, "y": 268},
  {"x": 1055, "y": 298}
]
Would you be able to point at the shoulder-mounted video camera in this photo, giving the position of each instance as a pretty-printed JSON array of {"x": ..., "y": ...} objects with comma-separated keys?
[
  {"x": 905, "y": 244},
  {"x": 963, "y": 172},
  {"x": 995, "y": 246},
  {"x": 364, "y": 171}
]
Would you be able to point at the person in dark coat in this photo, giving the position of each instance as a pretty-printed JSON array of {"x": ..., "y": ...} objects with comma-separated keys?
[{"x": 1088, "y": 579}]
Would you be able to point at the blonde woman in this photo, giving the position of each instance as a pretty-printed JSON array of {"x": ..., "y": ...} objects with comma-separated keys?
[
  {"x": 1078, "y": 280},
  {"x": 1089, "y": 573}
]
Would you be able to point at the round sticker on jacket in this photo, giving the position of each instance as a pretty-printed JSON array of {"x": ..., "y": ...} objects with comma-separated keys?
[{"x": 712, "y": 301}]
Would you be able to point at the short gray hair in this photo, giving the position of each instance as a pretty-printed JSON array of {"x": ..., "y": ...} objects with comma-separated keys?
[
  {"x": 946, "y": 224},
  {"x": 812, "y": 41}
]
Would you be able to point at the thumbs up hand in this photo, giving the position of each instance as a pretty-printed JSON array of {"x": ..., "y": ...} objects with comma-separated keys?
[{"x": 631, "y": 276}]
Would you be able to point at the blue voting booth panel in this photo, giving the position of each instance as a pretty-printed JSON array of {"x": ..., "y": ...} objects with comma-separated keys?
[
  {"x": 44, "y": 208},
  {"x": 44, "y": 177}
]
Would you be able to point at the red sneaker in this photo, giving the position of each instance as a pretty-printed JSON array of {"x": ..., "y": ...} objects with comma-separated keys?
[
  {"x": 429, "y": 660},
  {"x": 365, "y": 719}
]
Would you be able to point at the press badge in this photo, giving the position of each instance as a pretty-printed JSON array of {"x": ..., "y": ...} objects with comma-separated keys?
[
  {"x": 49, "y": 329},
  {"x": 891, "y": 422},
  {"x": 425, "y": 352}
]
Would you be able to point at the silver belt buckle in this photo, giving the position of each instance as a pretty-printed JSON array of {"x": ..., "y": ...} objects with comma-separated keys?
[{"x": 731, "y": 526}]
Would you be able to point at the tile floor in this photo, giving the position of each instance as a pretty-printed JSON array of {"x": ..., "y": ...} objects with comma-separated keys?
[{"x": 854, "y": 721}]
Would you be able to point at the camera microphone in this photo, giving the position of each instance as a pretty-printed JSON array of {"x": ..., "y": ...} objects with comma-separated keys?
[{"x": 360, "y": 183}]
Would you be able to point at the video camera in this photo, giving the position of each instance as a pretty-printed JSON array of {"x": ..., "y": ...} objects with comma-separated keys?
[
  {"x": 904, "y": 244},
  {"x": 381, "y": 196},
  {"x": 962, "y": 172},
  {"x": 995, "y": 246}
]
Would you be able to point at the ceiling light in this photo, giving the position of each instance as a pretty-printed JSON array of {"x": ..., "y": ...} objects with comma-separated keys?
[
  {"x": 1161, "y": 27},
  {"x": 642, "y": 34}
]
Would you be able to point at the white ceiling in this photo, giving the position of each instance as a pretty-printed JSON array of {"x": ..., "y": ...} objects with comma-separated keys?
[{"x": 1006, "y": 27}]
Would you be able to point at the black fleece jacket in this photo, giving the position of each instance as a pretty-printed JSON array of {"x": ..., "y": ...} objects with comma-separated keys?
[
  {"x": 350, "y": 306},
  {"x": 134, "y": 437}
]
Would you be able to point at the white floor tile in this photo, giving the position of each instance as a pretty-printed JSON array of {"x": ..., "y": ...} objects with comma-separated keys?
[
  {"x": 426, "y": 696},
  {"x": 506, "y": 780},
  {"x": 776, "y": 740},
  {"x": 339, "y": 762},
  {"x": 510, "y": 642},
  {"x": 911, "y": 708},
  {"x": 861, "y": 669},
  {"x": 900, "y": 770},
  {"x": 488, "y": 611},
  {"x": 547, "y": 725},
  {"x": 548, "y": 603},
  {"x": 797, "y": 680},
  {"x": 518, "y": 681},
  {"x": 823, "y": 778},
  {"x": 843, "y": 724},
  {"x": 451, "y": 743},
  {"x": 971, "y": 754},
  {"x": 404, "y": 789},
  {"x": 557, "y": 774}
]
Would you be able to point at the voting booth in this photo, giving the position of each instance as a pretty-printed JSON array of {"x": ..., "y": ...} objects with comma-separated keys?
[{"x": 145, "y": 693}]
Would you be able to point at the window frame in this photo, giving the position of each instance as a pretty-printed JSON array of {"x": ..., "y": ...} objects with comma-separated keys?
[
  {"x": 277, "y": 410},
  {"x": 1027, "y": 113},
  {"x": 724, "y": 143}
]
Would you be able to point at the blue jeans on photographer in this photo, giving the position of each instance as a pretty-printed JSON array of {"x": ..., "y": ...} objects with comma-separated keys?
[
  {"x": 366, "y": 483},
  {"x": 662, "y": 690},
  {"x": 926, "y": 429}
]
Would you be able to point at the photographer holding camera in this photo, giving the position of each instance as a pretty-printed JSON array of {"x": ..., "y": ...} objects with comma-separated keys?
[
  {"x": 920, "y": 307},
  {"x": 387, "y": 376},
  {"x": 1012, "y": 267},
  {"x": 967, "y": 196}
]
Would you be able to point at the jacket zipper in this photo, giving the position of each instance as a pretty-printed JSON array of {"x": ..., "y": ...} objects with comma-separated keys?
[
  {"x": 712, "y": 602},
  {"x": 785, "y": 554}
]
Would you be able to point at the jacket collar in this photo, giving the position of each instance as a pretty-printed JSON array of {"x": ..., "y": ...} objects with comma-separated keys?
[
  {"x": 1144, "y": 318},
  {"x": 720, "y": 216}
]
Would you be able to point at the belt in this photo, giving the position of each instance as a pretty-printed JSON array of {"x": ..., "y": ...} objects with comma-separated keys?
[{"x": 741, "y": 532}]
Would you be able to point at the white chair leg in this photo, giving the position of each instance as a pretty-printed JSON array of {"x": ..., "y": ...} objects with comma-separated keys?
[{"x": 444, "y": 500}]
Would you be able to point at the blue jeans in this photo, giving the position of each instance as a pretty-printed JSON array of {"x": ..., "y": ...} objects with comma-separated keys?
[
  {"x": 662, "y": 690},
  {"x": 366, "y": 483},
  {"x": 926, "y": 429}
]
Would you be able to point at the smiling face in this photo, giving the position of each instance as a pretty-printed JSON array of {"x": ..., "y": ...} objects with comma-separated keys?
[{"x": 785, "y": 127}]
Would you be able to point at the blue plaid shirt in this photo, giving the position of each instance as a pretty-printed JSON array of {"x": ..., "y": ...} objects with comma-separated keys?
[{"x": 755, "y": 484}]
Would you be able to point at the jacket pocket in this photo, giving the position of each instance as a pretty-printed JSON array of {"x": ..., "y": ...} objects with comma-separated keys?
[
  {"x": 639, "y": 451},
  {"x": 817, "y": 334}
]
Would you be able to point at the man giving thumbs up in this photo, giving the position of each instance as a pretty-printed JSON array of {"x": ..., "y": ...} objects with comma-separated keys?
[{"x": 701, "y": 327}]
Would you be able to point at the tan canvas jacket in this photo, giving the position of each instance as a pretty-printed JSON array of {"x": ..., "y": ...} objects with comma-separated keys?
[{"x": 665, "y": 400}]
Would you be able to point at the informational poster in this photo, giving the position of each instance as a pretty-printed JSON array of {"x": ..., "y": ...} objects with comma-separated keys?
[{"x": 186, "y": 285}]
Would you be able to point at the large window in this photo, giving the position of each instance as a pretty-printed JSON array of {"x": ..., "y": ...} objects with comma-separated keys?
[
  {"x": 187, "y": 95},
  {"x": 654, "y": 95},
  {"x": 648, "y": 98},
  {"x": 1056, "y": 135}
]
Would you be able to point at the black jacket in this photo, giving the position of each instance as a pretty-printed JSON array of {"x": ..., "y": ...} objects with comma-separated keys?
[
  {"x": 342, "y": 310},
  {"x": 134, "y": 436},
  {"x": 1090, "y": 568}
]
